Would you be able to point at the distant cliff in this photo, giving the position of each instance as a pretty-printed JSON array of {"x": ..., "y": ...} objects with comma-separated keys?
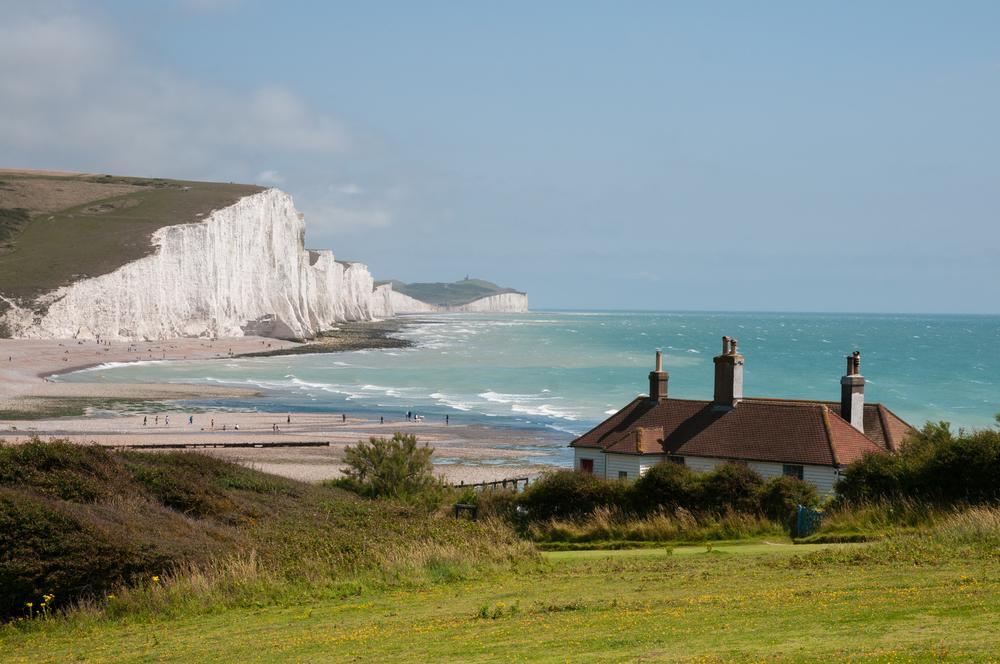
[
  {"x": 467, "y": 295},
  {"x": 243, "y": 270}
]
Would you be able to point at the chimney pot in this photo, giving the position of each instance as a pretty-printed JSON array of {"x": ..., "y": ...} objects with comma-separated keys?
[
  {"x": 659, "y": 360},
  {"x": 852, "y": 393},
  {"x": 728, "y": 375}
]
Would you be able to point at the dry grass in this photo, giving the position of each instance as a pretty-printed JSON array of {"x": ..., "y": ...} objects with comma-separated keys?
[{"x": 613, "y": 524}]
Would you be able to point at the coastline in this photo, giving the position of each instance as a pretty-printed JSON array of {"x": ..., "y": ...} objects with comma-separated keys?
[{"x": 126, "y": 414}]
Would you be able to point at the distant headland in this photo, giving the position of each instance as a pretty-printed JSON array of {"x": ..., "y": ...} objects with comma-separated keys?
[{"x": 90, "y": 256}]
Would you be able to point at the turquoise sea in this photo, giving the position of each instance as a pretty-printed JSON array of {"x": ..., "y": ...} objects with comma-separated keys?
[{"x": 561, "y": 372}]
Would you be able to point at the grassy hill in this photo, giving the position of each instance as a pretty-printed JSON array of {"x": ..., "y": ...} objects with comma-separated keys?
[
  {"x": 450, "y": 295},
  {"x": 56, "y": 229},
  {"x": 226, "y": 564},
  {"x": 83, "y": 522},
  {"x": 931, "y": 598}
]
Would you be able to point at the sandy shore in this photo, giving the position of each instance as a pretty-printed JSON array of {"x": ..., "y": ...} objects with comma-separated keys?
[{"x": 468, "y": 453}]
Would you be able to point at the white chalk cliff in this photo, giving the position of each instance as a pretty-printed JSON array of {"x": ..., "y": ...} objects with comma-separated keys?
[
  {"x": 244, "y": 270},
  {"x": 500, "y": 303}
]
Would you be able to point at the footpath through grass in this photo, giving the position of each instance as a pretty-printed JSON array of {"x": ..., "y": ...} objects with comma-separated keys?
[{"x": 908, "y": 601}]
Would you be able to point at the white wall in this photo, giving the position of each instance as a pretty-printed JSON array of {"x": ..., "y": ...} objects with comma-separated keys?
[
  {"x": 589, "y": 453},
  {"x": 608, "y": 464},
  {"x": 615, "y": 463}
]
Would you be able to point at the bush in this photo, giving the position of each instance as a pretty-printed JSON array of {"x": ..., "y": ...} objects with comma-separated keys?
[
  {"x": 731, "y": 486},
  {"x": 934, "y": 465},
  {"x": 568, "y": 493},
  {"x": 666, "y": 485},
  {"x": 393, "y": 468},
  {"x": 779, "y": 496}
]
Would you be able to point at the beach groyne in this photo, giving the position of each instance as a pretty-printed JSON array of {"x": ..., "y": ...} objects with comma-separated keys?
[{"x": 243, "y": 270}]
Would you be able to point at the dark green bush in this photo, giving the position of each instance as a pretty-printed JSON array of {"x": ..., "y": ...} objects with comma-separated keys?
[
  {"x": 82, "y": 473},
  {"x": 779, "y": 496},
  {"x": 731, "y": 486},
  {"x": 934, "y": 465},
  {"x": 568, "y": 493},
  {"x": 665, "y": 486},
  {"x": 53, "y": 547},
  {"x": 395, "y": 468}
]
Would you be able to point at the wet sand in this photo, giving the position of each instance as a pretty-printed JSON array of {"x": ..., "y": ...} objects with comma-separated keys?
[{"x": 463, "y": 453}]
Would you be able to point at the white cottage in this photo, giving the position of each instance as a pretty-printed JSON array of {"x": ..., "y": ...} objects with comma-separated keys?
[{"x": 811, "y": 440}]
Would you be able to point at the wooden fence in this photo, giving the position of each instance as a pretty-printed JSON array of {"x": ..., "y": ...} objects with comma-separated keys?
[
  {"x": 192, "y": 446},
  {"x": 509, "y": 483}
]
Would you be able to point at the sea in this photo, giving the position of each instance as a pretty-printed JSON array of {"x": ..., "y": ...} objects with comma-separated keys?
[{"x": 558, "y": 373}]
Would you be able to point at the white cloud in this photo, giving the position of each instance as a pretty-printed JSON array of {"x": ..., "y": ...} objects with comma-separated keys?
[{"x": 75, "y": 97}]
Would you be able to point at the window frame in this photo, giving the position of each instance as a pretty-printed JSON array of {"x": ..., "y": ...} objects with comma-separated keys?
[{"x": 795, "y": 470}]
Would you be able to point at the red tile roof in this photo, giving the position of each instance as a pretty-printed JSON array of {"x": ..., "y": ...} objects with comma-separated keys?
[{"x": 777, "y": 430}]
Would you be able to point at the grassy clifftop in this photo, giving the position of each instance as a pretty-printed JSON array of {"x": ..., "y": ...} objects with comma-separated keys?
[
  {"x": 84, "y": 523},
  {"x": 450, "y": 295},
  {"x": 57, "y": 229}
]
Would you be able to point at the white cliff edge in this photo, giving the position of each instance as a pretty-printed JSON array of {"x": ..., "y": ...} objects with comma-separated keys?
[
  {"x": 501, "y": 303},
  {"x": 244, "y": 270}
]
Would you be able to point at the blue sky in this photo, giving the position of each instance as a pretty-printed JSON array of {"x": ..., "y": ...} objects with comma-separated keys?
[{"x": 736, "y": 156}]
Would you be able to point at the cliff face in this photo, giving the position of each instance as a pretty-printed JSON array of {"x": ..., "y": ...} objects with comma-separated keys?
[
  {"x": 404, "y": 304},
  {"x": 500, "y": 303},
  {"x": 244, "y": 270}
]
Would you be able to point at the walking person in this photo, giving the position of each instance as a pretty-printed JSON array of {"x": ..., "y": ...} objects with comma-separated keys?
[
  {"x": 343, "y": 418},
  {"x": 446, "y": 420},
  {"x": 143, "y": 420}
]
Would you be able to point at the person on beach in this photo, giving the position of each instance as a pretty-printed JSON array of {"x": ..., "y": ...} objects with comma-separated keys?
[
  {"x": 381, "y": 419},
  {"x": 190, "y": 419},
  {"x": 166, "y": 420},
  {"x": 213, "y": 424},
  {"x": 143, "y": 420},
  {"x": 446, "y": 420},
  {"x": 288, "y": 420},
  {"x": 343, "y": 418},
  {"x": 157, "y": 420},
  {"x": 236, "y": 427}
]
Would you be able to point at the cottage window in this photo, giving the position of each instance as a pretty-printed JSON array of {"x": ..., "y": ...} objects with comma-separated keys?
[
  {"x": 679, "y": 460},
  {"x": 587, "y": 466},
  {"x": 623, "y": 474},
  {"x": 792, "y": 471}
]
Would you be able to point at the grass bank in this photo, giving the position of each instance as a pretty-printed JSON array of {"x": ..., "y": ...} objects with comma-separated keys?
[
  {"x": 130, "y": 533},
  {"x": 927, "y": 596}
]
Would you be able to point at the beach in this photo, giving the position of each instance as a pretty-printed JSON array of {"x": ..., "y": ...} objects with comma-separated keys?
[{"x": 30, "y": 403}]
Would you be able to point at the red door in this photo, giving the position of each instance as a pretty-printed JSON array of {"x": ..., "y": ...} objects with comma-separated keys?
[{"x": 587, "y": 466}]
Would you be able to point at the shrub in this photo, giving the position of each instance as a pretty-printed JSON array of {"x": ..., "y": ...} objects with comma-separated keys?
[
  {"x": 392, "y": 468},
  {"x": 779, "y": 496},
  {"x": 934, "y": 465},
  {"x": 731, "y": 486},
  {"x": 568, "y": 493},
  {"x": 665, "y": 485}
]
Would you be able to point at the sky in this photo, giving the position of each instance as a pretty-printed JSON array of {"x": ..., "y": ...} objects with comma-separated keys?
[{"x": 778, "y": 156}]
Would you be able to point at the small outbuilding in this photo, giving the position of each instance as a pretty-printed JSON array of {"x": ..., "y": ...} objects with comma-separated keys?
[{"x": 811, "y": 440}]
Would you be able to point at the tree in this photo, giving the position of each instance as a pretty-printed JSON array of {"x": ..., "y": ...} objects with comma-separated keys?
[{"x": 396, "y": 467}]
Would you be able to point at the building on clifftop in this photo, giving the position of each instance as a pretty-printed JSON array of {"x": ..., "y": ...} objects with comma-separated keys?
[{"x": 811, "y": 440}]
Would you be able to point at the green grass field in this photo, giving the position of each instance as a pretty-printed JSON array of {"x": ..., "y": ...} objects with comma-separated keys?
[
  {"x": 735, "y": 603},
  {"x": 98, "y": 235}
]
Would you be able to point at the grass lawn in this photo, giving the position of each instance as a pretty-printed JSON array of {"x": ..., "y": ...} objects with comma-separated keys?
[{"x": 751, "y": 602}]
